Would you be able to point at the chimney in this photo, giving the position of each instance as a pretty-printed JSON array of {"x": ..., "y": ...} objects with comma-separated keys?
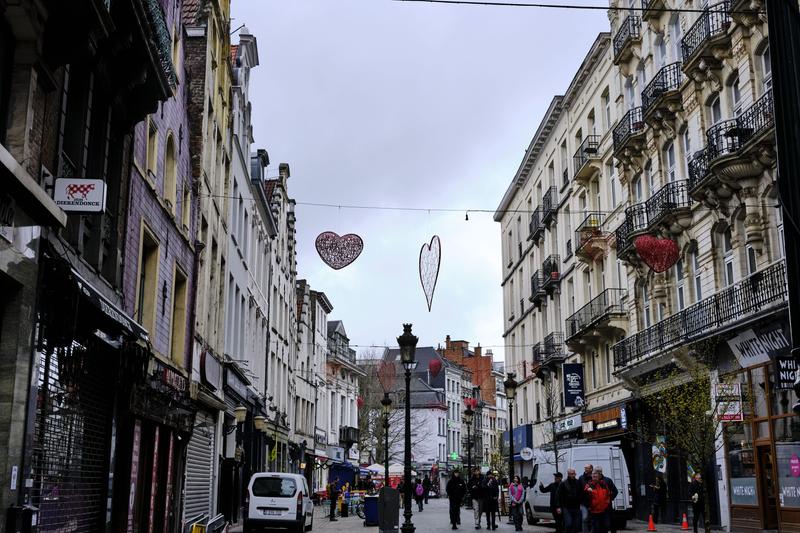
[
  {"x": 283, "y": 171},
  {"x": 489, "y": 353},
  {"x": 447, "y": 342},
  {"x": 478, "y": 350}
]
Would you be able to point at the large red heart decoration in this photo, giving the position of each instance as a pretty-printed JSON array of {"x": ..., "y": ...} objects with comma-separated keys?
[
  {"x": 338, "y": 252},
  {"x": 658, "y": 254}
]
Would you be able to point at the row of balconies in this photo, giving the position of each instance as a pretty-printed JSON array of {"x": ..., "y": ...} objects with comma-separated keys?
[
  {"x": 550, "y": 351},
  {"x": 543, "y": 215},
  {"x": 546, "y": 280}
]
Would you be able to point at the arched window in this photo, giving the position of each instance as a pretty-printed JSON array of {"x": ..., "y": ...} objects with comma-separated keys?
[
  {"x": 170, "y": 170},
  {"x": 714, "y": 110},
  {"x": 736, "y": 97}
]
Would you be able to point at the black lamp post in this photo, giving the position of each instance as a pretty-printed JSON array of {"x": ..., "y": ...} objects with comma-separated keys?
[
  {"x": 468, "y": 414},
  {"x": 408, "y": 344},
  {"x": 511, "y": 389},
  {"x": 386, "y": 404}
]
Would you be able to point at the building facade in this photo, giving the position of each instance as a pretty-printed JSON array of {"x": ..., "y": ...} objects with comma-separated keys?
[{"x": 342, "y": 376}]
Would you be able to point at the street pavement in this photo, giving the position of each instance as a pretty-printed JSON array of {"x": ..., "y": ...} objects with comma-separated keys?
[{"x": 435, "y": 518}]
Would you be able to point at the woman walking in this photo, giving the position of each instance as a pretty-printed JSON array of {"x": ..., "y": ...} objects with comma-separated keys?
[
  {"x": 516, "y": 493},
  {"x": 419, "y": 493},
  {"x": 455, "y": 488}
]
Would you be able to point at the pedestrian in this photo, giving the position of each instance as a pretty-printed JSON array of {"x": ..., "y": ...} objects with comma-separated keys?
[
  {"x": 659, "y": 496},
  {"x": 599, "y": 502},
  {"x": 613, "y": 495},
  {"x": 516, "y": 496},
  {"x": 586, "y": 519},
  {"x": 477, "y": 495},
  {"x": 419, "y": 493},
  {"x": 569, "y": 499},
  {"x": 698, "y": 500},
  {"x": 401, "y": 488},
  {"x": 333, "y": 494},
  {"x": 455, "y": 488},
  {"x": 491, "y": 502},
  {"x": 427, "y": 485},
  {"x": 552, "y": 489}
]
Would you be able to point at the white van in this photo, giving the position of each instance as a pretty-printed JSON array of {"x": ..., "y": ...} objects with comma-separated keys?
[
  {"x": 278, "y": 501},
  {"x": 607, "y": 456}
]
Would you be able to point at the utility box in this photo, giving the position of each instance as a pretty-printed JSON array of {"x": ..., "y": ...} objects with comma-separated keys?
[
  {"x": 22, "y": 519},
  {"x": 388, "y": 510}
]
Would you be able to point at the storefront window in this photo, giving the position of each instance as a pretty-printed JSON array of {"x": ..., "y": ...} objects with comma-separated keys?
[
  {"x": 782, "y": 400},
  {"x": 739, "y": 441},
  {"x": 787, "y": 458}
]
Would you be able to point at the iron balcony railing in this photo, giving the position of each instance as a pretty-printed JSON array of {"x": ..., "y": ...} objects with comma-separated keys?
[
  {"x": 554, "y": 345},
  {"x": 729, "y": 136},
  {"x": 549, "y": 205},
  {"x": 608, "y": 302},
  {"x": 588, "y": 149},
  {"x": 630, "y": 29},
  {"x": 635, "y": 222},
  {"x": 698, "y": 169},
  {"x": 673, "y": 195},
  {"x": 758, "y": 292},
  {"x": 537, "y": 287},
  {"x": 714, "y": 21},
  {"x": 630, "y": 125},
  {"x": 723, "y": 139},
  {"x": 537, "y": 353},
  {"x": 588, "y": 229},
  {"x": 551, "y": 271},
  {"x": 536, "y": 227},
  {"x": 667, "y": 79}
]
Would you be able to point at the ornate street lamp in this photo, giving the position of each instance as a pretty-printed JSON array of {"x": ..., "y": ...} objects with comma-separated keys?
[
  {"x": 408, "y": 344},
  {"x": 468, "y": 414},
  {"x": 510, "y": 385},
  {"x": 386, "y": 404}
]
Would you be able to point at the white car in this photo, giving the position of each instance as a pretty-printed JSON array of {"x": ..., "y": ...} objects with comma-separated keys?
[{"x": 278, "y": 501}]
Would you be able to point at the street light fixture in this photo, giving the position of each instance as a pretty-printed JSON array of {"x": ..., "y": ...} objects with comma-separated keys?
[
  {"x": 240, "y": 413},
  {"x": 259, "y": 422},
  {"x": 468, "y": 414},
  {"x": 386, "y": 404},
  {"x": 408, "y": 345},
  {"x": 510, "y": 385}
]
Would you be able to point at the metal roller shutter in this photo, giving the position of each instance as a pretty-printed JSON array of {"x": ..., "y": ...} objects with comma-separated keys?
[{"x": 200, "y": 455}]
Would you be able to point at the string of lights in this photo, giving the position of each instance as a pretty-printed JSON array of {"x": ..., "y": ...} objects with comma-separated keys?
[{"x": 576, "y": 7}]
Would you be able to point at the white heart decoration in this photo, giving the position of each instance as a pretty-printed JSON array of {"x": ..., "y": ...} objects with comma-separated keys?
[{"x": 430, "y": 256}]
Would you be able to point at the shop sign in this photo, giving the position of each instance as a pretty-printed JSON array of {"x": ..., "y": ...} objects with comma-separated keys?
[
  {"x": 174, "y": 379},
  {"x": 523, "y": 436},
  {"x": 659, "y": 454},
  {"x": 353, "y": 454},
  {"x": 728, "y": 397},
  {"x": 210, "y": 370},
  {"x": 573, "y": 384},
  {"x": 754, "y": 348},
  {"x": 234, "y": 382},
  {"x": 80, "y": 195},
  {"x": 608, "y": 424},
  {"x": 7, "y": 210},
  {"x": 623, "y": 418},
  {"x": 785, "y": 367},
  {"x": 743, "y": 491},
  {"x": 568, "y": 424},
  {"x": 336, "y": 453},
  {"x": 320, "y": 436},
  {"x": 588, "y": 426},
  {"x": 526, "y": 454}
]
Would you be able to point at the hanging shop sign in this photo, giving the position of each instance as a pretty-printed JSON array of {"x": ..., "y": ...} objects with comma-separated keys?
[
  {"x": 210, "y": 370},
  {"x": 235, "y": 383},
  {"x": 566, "y": 425},
  {"x": 757, "y": 347},
  {"x": 659, "y": 454},
  {"x": 573, "y": 384},
  {"x": 336, "y": 453},
  {"x": 526, "y": 454},
  {"x": 623, "y": 417},
  {"x": 523, "y": 437},
  {"x": 728, "y": 397},
  {"x": 320, "y": 437},
  {"x": 785, "y": 368},
  {"x": 77, "y": 195},
  {"x": 107, "y": 308}
]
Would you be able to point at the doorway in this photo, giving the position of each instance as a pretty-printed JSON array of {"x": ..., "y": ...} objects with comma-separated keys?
[{"x": 766, "y": 487}]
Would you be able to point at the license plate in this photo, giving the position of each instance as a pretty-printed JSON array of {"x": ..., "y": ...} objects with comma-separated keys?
[{"x": 271, "y": 512}]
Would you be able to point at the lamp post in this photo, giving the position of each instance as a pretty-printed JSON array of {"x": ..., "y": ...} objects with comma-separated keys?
[
  {"x": 408, "y": 344},
  {"x": 386, "y": 404},
  {"x": 510, "y": 385},
  {"x": 468, "y": 414}
]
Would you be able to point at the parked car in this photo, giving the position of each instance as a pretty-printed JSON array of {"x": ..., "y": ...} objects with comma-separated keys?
[
  {"x": 608, "y": 456},
  {"x": 278, "y": 501}
]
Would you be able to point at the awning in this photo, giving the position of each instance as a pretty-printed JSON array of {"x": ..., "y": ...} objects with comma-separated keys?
[{"x": 110, "y": 310}]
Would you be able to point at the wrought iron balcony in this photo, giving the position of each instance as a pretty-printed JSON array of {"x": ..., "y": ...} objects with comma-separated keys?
[
  {"x": 670, "y": 203},
  {"x": 754, "y": 296},
  {"x": 630, "y": 129},
  {"x": 536, "y": 225},
  {"x": 699, "y": 173},
  {"x": 634, "y": 225},
  {"x": 630, "y": 32},
  {"x": 723, "y": 139},
  {"x": 554, "y": 347},
  {"x": 588, "y": 151},
  {"x": 709, "y": 30},
  {"x": 549, "y": 205},
  {"x": 537, "y": 288},
  {"x": 595, "y": 313},
  {"x": 652, "y": 9},
  {"x": 663, "y": 90},
  {"x": 590, "y": 239},
  {"x": 757, "y": 121},
  {"x": 537, "y": 354},
  {"x": 551, "y": 272}
]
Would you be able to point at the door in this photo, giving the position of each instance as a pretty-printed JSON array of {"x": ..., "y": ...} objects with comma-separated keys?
[{"x": 767, "y": 499}]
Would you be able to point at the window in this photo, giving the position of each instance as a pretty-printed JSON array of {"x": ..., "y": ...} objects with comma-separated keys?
[
  {"x": 669, "y": 160},
  {"x": 781, "y": 243},
  {"x": 630, "y": 95},
  {"x": 752, "y": 264},
  {"x": 661, "y": 52},
  {"x": 675, "y": 38},
  {"x": 736, "y": 94},
  {"x": 715, "y": 108},
  {"x": 698, "y": 277},
  {"x": 594, "y": 370},
  {"x": 611, "y": 171},
  {"x": 606, "y": 99},
  {"x": 178, "y": 335},
  {"x": 686, "y": 140},
  {"x": 766, "y": 69},
  {"x": 636, "y": 187},
  {"x": 176, "y": 47},
  {"x": 147, "y": 282},
  {"x": 152, "y": 150},
  {"x": 186, "y": 206},
  {"x": 680, "y": 284},
  {"x": 564, "y": 162},
  {"x": 609, "y": 364},
  {"x": 170, "y": 169},
  {"x": 727, "y": 250},
  {"x": 645, "y": 307}
]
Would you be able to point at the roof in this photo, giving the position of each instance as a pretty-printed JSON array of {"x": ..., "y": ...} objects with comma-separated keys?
[
  {"x": 593, "y": 57},
  {"x": 323, "y": 300},
  {"x": 269, "y": 187},
  {"x": 336, "y": 326},
  {"x": 191, "y": 10}
]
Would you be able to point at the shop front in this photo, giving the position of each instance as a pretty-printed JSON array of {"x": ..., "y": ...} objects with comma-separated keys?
[
  {"x": 523, "y": 438},
  {"x": 762, "y": 442}
]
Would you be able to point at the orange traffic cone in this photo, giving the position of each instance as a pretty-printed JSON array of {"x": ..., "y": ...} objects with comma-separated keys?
[
  {"x": 650, "y": 525},
  {"x": 684, "y": 523}
]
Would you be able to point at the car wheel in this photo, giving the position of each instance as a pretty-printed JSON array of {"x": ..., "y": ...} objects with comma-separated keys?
[{"x": 529, "y": 515}]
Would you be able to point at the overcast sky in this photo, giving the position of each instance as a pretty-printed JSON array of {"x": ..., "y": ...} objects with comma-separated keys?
[{"x": 375, "y": 102}]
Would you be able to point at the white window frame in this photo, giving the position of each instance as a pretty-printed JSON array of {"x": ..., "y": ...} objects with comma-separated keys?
[
  {"x": 766, "y": 69},
  {"x": 698, "y": 277},
  {"x": 670, "y": 159},
  {"x": 646, "y": 320},
  {"x": 680, "y": 285},
  {"x": 728, "y": 272},
  {"x": 736, "y": 97},
  {"x": 752, "y": 260}
]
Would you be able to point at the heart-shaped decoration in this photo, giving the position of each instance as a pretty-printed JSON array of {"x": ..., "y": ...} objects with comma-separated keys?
[
  {"x": 658, "y": 254},
  {"x": 338, "y": 252},
  {"x": 430, "y": 256}
]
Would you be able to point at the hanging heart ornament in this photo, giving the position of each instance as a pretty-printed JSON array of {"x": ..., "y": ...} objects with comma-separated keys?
[
  {"x": 338, "y": 252},
  {"x": 430, "y": 256},
  {"x": 658, "y": 254}
]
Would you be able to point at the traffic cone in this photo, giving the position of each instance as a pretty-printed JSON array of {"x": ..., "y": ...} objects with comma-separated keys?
[
  {"x": 650, "y": 525},
  {"x": 684, "y": 523}
]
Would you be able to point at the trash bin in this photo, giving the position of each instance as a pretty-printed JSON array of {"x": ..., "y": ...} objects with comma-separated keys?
[
  {"x": 388, "y": 510},
  {"x": 371, "y": 510}
]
